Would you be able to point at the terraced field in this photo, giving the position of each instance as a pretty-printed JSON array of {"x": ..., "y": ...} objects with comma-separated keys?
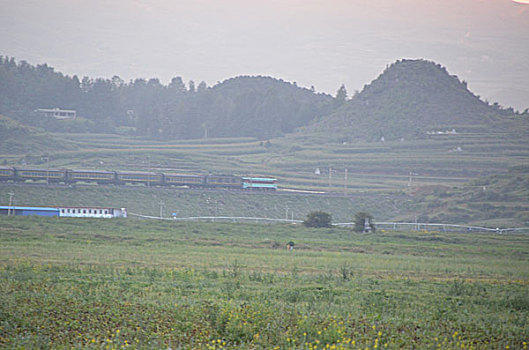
[{"x": 382, "y": 166}]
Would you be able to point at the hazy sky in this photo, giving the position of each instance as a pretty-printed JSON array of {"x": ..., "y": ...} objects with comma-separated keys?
[{"x": 313, "y": 42}]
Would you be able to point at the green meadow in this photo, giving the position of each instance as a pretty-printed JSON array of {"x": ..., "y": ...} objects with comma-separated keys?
[{"x": 122, "y": 283}]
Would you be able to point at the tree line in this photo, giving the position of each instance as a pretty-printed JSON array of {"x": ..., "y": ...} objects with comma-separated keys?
[{"x": 261, "y": 107}]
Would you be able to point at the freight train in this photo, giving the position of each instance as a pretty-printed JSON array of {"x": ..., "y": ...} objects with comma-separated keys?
[{"x": 67, "y": 176}]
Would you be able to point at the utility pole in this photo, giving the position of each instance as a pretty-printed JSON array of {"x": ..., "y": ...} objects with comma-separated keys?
[
  {"x": 345, "y": 183},
  {"x": 10, "y": 202},
  {"x": 149, "y": 170},
  {"x": 410, "y": 178},
  {"x": 330, "y": 175},
  {"x": 47, "y": 170},
  {"x": 162, "y": 204}
]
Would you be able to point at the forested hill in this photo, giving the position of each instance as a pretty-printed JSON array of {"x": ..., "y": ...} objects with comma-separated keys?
[
  {"x": 412, "y": 97},
  {"x": 262, "y": 107},
  {"x": 244, "y": 106}
]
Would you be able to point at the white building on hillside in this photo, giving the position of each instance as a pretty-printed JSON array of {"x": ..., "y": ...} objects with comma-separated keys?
[{"x": 57, "y": 113}]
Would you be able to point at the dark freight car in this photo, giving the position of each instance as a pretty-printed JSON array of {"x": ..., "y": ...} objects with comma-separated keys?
[{"x": 91, "y": 176}]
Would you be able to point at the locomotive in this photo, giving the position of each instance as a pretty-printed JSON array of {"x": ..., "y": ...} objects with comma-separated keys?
[{"x": 68, "y": 176}]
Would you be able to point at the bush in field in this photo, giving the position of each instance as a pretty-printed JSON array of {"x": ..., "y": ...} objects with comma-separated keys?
[
  {"x": 360, "y": 219},
  {"x": 318, "y": 219}
]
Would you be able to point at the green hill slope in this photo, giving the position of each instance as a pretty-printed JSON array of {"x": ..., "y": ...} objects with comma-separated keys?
[
  {"x": 413, "y": 97},
  {"x": 498, "y": 200},
  {"x": 17, "y": 138}
]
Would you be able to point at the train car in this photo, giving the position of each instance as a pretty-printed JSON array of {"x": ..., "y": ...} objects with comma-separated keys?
[
  {"x": 146, "y": 178},
  {"x": 227, "y": 181},
  {"x": 50, "y": 175},
  {"x": 92, "y": 212},
  {"x": 7, "y": 174},
  {"x": 100, "y": 177},
  {"x": 183, "y": 180},
  {"x": 259, "y": 183},
  {"x": 151, "y": 179}
]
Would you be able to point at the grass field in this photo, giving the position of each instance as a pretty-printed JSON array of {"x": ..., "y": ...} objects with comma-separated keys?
[
  {"x": 187, "y": 203},
  {"x": 70, "y": 283}
]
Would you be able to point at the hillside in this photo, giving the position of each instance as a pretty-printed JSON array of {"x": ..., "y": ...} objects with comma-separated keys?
[
  {"x": 17, "y": 138},
  {"x": 261, "y": 107},
  {"x": 411, "y": 98},
  {"x": 497, "y": 200}
]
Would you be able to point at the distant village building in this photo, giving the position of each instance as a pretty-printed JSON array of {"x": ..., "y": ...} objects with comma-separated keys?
[
  {"x": 57, "y": 113},
  {"x": 12, "y": 210}
]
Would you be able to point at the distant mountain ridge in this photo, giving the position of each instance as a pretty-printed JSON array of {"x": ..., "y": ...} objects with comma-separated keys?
[{"x": 410, "y": 98}]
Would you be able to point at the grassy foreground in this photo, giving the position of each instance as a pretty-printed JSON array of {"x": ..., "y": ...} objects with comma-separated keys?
[{"x": 148, "y": 284}]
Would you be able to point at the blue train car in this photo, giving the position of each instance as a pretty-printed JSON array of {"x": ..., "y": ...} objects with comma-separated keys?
[{"x": 259, "y": 183}]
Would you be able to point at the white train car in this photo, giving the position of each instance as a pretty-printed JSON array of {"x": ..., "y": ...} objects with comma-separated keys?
[{"x": 92, "y": 212}]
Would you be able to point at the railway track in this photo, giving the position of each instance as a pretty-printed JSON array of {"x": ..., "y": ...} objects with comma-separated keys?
[{"x": 279, "y": 191}]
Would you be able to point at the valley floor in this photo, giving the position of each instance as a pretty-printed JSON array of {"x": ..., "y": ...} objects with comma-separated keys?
[{"x": 157, "y": 284}]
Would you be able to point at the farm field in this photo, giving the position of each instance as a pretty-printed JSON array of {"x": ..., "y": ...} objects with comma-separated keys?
[
  {"x": 156, "y": 284},
  {"x": 371, "y": 166}
]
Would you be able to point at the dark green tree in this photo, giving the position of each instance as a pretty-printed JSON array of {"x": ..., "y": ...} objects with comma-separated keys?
[
  {"x": 202, "y": 86},
  {"x": 318, "y": 219},
  {"x": 360, "y": 222},
  {"x": 192, "y": 88},
  {"x": 177, "y": 85},
  {"x": 341, "y": 95}
]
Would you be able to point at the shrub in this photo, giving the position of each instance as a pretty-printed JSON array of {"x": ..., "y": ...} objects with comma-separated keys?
[{"x": 318, "y": 219}]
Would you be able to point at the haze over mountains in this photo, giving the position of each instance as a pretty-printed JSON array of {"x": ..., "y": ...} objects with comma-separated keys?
[
  {"x": 313, "y": 42},
  {"x": 410, "y": 98}
]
